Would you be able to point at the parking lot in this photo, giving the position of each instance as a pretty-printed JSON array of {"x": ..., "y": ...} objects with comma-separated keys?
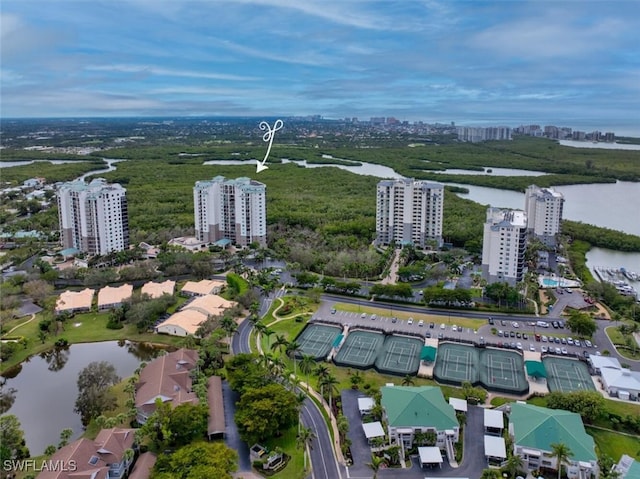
[{"x": 548, "y": 337}]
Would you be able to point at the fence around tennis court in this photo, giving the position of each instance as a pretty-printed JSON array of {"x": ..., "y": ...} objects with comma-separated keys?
[
  {"x": 493, "y": 369},
  {"x": 317, "y": 340},
  {"x": 567, "y": 375},
  {"x": 400, "y": 355}
]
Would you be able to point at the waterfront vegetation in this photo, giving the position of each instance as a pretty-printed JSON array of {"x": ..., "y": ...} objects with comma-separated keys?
[{"x": 324, "y": 221}]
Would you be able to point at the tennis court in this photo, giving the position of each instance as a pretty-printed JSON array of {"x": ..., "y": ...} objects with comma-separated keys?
[
  {"x": 359, "y": 349},
  {"x": 456, "y": 363},
  {"x": 399, "y": 355},
  {"x": 566, "y": 375},
  {"x": 317, "y": 340},
  {"x": 493, "y": 369},
  {"x": 503, "y": 371}
]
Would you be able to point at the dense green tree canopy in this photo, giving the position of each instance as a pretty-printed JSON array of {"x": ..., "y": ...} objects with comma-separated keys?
[
  {"x": 265, "y": 412},
  {"x": 94, "y": 396},
  {"x": 199, "y": 460}
]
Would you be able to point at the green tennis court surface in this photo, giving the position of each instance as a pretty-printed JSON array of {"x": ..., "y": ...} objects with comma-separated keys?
[
  {"x": 566, "y": 375},
  {"x": 317, "y": 339},
  {"x": 360, "y": 349},
  {"x": 399, "y": 355}
]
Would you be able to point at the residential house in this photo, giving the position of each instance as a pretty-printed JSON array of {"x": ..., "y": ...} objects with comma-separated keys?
[
  {"x": 167, "y": 378},
  {"x": 534, "y": 429},
  {"x": 411, "y": 410},
  {"x": 105, "y": 457}
]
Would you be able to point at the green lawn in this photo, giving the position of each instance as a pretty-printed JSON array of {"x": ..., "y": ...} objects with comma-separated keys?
[
  {"x": 621, "y": 346},
  {"x": 82, "y": 328},
  {"x": 614, "y": 444},
  {"x": 388, "y": 311},
  {"x": 287, "y": 442}
]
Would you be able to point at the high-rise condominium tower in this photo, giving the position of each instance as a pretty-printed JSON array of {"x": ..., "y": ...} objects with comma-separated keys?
[
  {"x": 230, "y": 209},
  {"x": 544, "y": 213},
  {"x": 409, "y": 212},
  {"x": 93, "y": 217},
  {"x": 503, "y": 246}
]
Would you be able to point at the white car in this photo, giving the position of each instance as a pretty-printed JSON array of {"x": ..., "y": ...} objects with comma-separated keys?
[
  {"x": 587, "y": 343},
  {"x": 544, "y": 349},
  {"x": 532, "y": 347},
  {"x": 519, "y": 346},
  {"x": 410, "y": 321},
  {"x": 442, "y": 326},
  {"x": 421, "y": 323},
  {"x": 515, "y": 324},
  {"x": 454, "y": 328}
]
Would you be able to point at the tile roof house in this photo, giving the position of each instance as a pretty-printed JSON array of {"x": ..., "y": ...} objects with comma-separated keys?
[
  {"x": 535, "y": 428},
  {"x": 75, "y": 301},
  {"x": 167, "y": 378},
  {"x": 186, "y": 321},
  {"x": 155, "y": 290},
  {"x": 200, "y": 288},
  {"x": 409, "y": 410},
  {"x": 103, "y": 458},
  {"x": 112, "y": 297}
]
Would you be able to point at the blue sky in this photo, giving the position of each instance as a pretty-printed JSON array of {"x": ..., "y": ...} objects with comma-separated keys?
[{"x": 502, "y": 62}]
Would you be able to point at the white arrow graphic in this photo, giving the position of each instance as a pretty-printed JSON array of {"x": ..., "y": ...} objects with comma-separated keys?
[{"x": 268, "y": 136}]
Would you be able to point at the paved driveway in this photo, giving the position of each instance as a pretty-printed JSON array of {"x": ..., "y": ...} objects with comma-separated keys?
[{"x": 359, "y": 447}]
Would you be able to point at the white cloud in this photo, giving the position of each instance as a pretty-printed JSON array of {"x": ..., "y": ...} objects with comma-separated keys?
[{"x": 160, "y": 71}]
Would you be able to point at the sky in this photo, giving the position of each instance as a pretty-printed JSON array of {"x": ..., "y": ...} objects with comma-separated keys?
[{"x": 569, "y": 63}]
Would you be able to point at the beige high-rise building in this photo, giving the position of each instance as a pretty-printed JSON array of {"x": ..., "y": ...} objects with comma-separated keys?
[
  {"x": 234, "y": 210},
  {"x": 503, "y": 246},
  {"x": 409, "y": 212},
  {"x": 93, "y": 217},
  {"x": 544, "y": 213}
]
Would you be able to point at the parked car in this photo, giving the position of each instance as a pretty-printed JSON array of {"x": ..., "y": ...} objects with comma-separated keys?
[
  {"x": 394, "y": 320},
  {"x": 537, "y": 337},
  {"x": 525, "y": 336},
  {"x": 564, "y": 351},
  {"x": 491, "y": 320},
  {"x": 532, "y": 347},
  {"x": 421, "y": 323},
  {"x": 576, "y": 342},
  {"x": 454, "y": 328},
  {"x": 588, "y": 343},
  {"x": 333, "y": 311},
  {"x": 544, "y": 349},
  {"x": 442, "y": 326},
  {"x": 432, "y": 325},
  {"x": 373, "y": 317},
  {"x": 410, "y": 321},
  {"x": 500, "y": 333},
  {"x": 558, "y": 351}
]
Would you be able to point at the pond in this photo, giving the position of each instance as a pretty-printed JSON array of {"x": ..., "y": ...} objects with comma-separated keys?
[{"x": 46, "y": 390}]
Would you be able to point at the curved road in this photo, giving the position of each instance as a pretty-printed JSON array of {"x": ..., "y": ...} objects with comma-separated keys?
[{"x": 323, "y": 461}]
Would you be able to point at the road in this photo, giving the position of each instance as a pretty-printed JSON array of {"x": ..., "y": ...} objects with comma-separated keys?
[{"x": 323, "y": 460}]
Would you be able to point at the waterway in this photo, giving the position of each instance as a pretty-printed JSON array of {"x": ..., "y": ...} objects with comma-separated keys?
[
  {"x": 489, "y": 171},
  {"x": 605, "y": 146},
  {"x": 614, "y": 260},
  {"x": 46, "y": 387},
  {"x": 9, "y": 164},
  {"x": 366, "y": 169},
  {"x": 610, "y": 205}
]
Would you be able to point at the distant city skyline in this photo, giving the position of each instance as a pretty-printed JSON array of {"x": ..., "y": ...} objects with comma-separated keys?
[{"x": 569, "y": 64}]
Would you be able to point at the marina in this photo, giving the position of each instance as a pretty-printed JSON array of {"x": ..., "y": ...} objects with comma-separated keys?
[{"x": 617, "y": 277}]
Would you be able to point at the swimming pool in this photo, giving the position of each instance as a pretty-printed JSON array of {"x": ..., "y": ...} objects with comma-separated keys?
[{"x": 550, "y": 283}]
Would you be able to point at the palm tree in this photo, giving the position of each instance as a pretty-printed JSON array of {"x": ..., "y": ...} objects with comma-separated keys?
[
  {"x": 280, "y": 343},
  {"x": 229, "y": 325},
  {"x": 513, "y": 465},
  {"x": 375, "y": 464},
  {"x": 490, "y": 474},
  {"x": 330, "y": 382},
  {"x": 408, "y": 380},
  {"x": 562, "y": 453},
  {"x": 306, "y": 365},
  {"x": 268, "y": 333},
  {"x": 292, "y": 349},
  {"x": 356, "y": 380},
  {"x": 303, "y": 440},
  {"x": 322, "y": 372}
]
